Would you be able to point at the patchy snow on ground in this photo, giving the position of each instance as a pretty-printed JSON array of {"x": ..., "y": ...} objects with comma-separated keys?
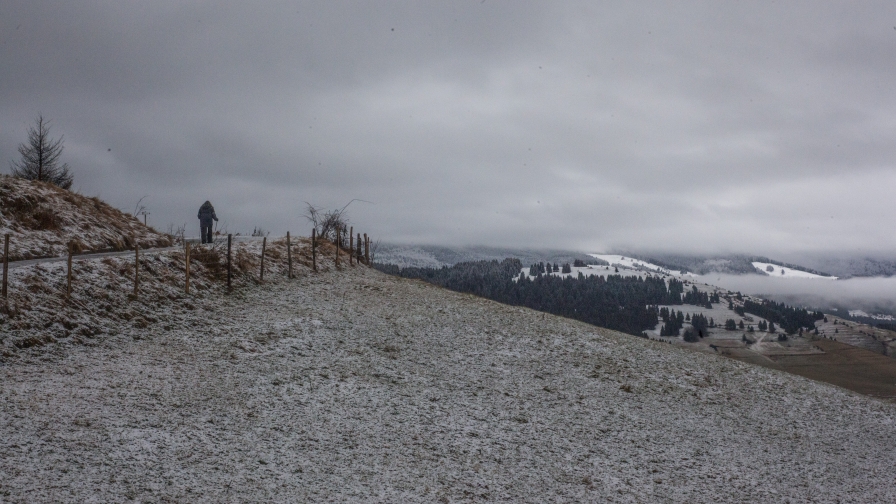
[
  {"x": 775, "y": 271},
  {"x": 350, "y": 385}
]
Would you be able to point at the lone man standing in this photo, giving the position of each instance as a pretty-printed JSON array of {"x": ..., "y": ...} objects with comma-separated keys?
[{"x": 206, "y": 216}]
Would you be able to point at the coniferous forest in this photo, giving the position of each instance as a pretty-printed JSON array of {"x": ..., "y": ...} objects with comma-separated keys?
[
  {"x": 625, "y": 304},
  {"x": 788, "y": 317}
]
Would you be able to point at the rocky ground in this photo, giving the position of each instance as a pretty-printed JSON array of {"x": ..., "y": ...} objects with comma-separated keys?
[{"x": 354, "y": 386}]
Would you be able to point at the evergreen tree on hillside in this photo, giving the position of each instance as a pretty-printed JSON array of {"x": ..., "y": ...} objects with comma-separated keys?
[
  {"x": 700, "y": 324},
  {"x": 40, "y": 157}
]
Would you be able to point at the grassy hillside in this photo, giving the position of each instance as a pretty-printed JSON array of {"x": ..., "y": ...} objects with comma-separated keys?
[
  {"x": 43, "y": 219},
  {"x": 350, "y": 385}
]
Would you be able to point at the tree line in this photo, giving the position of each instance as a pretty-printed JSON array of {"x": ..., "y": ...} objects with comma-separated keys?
[
  {"x": 626, "y": 304},
  {"x": 789, "y": 318}
]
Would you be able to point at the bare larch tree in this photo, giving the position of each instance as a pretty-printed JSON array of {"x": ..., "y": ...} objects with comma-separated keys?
[{"x": 40, "y": 157}]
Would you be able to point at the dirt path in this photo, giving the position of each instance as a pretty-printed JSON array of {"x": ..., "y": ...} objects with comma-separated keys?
[{"x": 121, "y": 253}]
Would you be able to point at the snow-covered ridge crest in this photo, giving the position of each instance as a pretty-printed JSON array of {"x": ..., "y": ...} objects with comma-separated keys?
[{"x": 42, "y": 219}]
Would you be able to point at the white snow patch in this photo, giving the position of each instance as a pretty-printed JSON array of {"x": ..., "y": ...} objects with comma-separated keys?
[
  {"x": 875, "y": 316},
  {"x": 775, "y": 271}
]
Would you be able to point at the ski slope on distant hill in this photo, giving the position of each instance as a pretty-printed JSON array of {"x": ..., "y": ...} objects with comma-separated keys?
[{"x": 776, "y": 271}]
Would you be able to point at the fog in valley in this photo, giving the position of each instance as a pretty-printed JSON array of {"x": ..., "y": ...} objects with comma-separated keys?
[{"x": 876, "y": 295}]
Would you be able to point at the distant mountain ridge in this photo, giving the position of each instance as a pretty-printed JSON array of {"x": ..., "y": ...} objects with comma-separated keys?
[
  {"x": 435, "y": 256},
  {"x": 735, "y": 264},
  {"x": 740, "y": 264}
]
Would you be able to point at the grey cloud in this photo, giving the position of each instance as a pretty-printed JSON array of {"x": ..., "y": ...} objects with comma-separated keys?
[{"x": 694, "y": 125}]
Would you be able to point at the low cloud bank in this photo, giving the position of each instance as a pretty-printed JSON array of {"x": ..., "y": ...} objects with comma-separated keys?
[{"x": 873, "y": 295}]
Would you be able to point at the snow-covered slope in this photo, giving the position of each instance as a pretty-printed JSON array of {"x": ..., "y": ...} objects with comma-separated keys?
[
  {"x": 776, "y": 271},
  {"x": 636, "y": 264},
  {"x": 42, "y": 219},
  {"x": 353, "y": 386}
]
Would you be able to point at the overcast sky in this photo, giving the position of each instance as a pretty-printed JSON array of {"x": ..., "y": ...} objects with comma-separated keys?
[{"x": 754, "y": 127}]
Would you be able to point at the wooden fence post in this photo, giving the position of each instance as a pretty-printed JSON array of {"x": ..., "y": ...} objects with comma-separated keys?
[
  {"x": 136, "y": 267},
  {"x": 68, "y": 283},
  {"x": 288, "y": 255},
  {"x": 229, "y": 270},
  {"x": 366, "y": 250},
  {"x": 337, "y": 247},
  {"x": 359, "y": 257},
  {"x": 264, "y": 243},
  {"x": 187, "y": 282},
  {"x": 5, "y": 262},
  {"x": 351, "y": 244},
  {"x": 314, "y": 249}
]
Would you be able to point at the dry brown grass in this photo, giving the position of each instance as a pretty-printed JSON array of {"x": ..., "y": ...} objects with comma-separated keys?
[
  {"x": 211, "y": 259},
  {"x": 245, "y": 262},
  {"x": 27, "y": 210},
  {"x": 44, "y": 219}
]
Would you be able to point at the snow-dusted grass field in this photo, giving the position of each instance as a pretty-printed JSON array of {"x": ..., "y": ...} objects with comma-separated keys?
[{"x": 356, "y": 386}]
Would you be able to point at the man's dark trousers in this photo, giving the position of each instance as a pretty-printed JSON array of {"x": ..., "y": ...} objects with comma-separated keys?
[{"x": 206, "y": 233}]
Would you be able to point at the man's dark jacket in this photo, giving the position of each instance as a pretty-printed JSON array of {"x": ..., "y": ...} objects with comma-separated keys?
[{"x": 207, "y": 214}]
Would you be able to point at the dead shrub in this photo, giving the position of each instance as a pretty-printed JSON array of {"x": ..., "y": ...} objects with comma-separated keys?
[
  {"x": 209, "y": 257},
  {"x": 19, "y": 206},
  {"x": 29, "y": 212},
  {"x": 74, "y": 199},
  {"x": 274, "y": 252},
  {"x": 77, "y": 246},
  {"x": 44, "y": 219},
  {"x": 34, "y": 341},
  {"x": 244, "y": 261}
]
